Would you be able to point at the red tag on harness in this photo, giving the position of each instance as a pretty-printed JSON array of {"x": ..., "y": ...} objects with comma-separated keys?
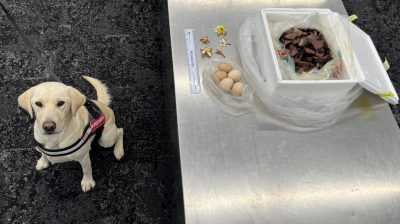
[{"x": 98, "y": 122}]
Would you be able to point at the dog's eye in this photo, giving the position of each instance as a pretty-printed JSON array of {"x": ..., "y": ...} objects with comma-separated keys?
[
  {"x": 39, "y": 104},
  {"x": 60, "y": 103}
]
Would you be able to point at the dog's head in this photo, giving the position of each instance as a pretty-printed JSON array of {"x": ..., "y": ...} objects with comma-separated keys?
[{"x": 53, "y": 104}]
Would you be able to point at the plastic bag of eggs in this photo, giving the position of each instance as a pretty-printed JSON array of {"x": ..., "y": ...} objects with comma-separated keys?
[{"x": 229, "y": 79}]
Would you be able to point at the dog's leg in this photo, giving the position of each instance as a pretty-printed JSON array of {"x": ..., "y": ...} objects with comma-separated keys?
[
  {"x": 119, "y": 144},
  {"x": 113, "y": 135},
  {"x": 42, "y": 163},
  {"x": 87, "y": 182}
]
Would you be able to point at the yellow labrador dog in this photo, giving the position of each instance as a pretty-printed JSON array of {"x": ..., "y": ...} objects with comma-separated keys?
[{"x": 66, "y": 124}]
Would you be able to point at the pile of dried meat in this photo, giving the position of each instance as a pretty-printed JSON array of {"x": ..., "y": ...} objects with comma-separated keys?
[{"x": 307, "y": 47}]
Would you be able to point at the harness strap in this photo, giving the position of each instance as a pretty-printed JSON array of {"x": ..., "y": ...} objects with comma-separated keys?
[{"x": 95, "y": 126}]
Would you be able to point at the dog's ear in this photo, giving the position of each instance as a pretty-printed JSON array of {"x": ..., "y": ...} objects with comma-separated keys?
[
  {"x": 24, "y": 101},
  {"x": 77, "y": 100}
]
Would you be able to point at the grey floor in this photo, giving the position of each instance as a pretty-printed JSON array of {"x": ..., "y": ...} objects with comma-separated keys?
[
  {"x": 125, "y": 44},
  {"x": 122, "y": 43}
]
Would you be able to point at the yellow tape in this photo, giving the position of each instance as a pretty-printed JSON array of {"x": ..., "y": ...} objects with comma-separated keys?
[
  {"x": 386, "y": 64},
  {"x": 353, "y": 17},
  {"x": 386, "y": 95}
]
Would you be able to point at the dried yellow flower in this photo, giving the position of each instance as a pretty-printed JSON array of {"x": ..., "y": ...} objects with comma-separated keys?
[
  {"x": 223, "y": 42},
  {"x": 206, "y": 51},
  {"x": 205, "y": 40},
  {"x": 220, "y": 52},
  {"x": 220, "y": 30}
]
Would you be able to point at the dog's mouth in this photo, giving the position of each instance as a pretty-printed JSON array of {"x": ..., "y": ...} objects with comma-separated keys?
[{"x": 49, "y": 132}]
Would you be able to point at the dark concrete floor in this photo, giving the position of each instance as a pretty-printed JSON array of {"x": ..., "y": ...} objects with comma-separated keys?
[{"x": 125, "y": 44}]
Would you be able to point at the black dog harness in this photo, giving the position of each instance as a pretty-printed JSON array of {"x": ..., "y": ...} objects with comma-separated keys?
[{"x": 94, "y": 127}]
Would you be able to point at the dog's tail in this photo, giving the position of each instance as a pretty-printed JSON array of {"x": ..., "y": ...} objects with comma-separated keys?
[{"x": 101, "y": 90}]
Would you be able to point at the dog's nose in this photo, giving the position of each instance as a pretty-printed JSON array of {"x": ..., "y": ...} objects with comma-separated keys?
[{"x": 49, "y": 126}]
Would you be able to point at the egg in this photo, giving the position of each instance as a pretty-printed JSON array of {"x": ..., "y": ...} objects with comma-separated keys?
[
  {"x": 237, "y": 88},
  {"x": 226, "y": 84},
  {"x": 225, "y": 67},
  {"x": 235, "y": 75},
  {"x": 221, "y": 75}
]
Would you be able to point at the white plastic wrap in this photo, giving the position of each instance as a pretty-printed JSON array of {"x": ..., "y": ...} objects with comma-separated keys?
[
  {"x": 312, "y": 112},
  {"x": 227, "y": 101}
]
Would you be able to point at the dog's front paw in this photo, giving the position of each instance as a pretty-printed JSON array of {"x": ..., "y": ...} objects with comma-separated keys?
[
  {"x": 87, "y": 184},
  {"x": 42, "y": 164}
]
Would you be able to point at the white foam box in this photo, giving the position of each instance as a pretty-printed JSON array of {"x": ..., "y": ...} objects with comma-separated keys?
[{"x": 369, "y": 71}]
